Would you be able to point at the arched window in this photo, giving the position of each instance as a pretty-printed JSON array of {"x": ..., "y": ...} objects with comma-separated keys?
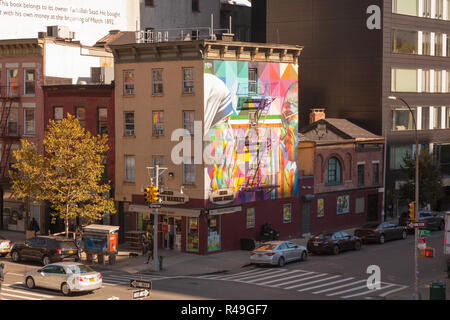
[{"x": 333, "y": 172}]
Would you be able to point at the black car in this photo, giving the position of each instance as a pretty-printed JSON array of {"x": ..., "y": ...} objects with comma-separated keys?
[
  {"x": 333, "y": 242},
  {"x": 45, "y": 249},
  {"x": 433, "y": 220},
  {"x": 380, "y": 232}
]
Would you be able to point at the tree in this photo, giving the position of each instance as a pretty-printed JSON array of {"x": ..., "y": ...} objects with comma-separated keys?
[
  {"x": 430, "y": 180},
  {"x": 68, "y": 174}
]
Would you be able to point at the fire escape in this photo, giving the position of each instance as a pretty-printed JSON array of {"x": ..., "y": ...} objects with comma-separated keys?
[{"x": 8, "y": 133}]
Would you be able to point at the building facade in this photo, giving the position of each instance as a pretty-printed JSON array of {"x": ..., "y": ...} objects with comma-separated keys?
[
  {"x": 358, "y": 54},
  {"x": 221, "y": 116},
  {"x": 341, "y": 176},
  {"x": 26, "y": 65}
]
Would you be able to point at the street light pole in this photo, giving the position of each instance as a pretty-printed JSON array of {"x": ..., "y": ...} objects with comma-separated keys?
[{"x": 416, "y": 204}]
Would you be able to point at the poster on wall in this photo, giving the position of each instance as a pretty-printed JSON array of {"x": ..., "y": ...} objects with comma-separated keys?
[
  {"x": 343, "y": 204},
  {"x": 320, "y": 208},
  {"x": 287, "y": 213},
  {"x": 192, "y": 235},
  {"x": 250, "y": 128},
  {"x": 250, "y": 218}
]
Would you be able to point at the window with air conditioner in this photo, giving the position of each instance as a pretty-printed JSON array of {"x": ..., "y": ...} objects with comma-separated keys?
[
  {"x": 12, "y": 82},
  {"x": 29, "y": 128},
  {"x": 158, "y": 123},
  {"x": 157, "y": 81},
  {"x": 128, "y": 124},
  {"x": 188, "y": 80},
  {"x": 128, "y": 82}
]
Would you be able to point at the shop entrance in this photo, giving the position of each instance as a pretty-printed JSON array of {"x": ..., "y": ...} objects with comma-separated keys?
[{"x": 171, "y": 229}]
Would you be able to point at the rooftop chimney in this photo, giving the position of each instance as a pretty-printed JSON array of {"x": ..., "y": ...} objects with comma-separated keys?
[{"x": 316, "y": 115}]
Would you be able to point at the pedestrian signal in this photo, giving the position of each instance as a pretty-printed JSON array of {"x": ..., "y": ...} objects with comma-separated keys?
[
  {"x": 428, "y": 252},
  {"x": 411, "y": 208}
]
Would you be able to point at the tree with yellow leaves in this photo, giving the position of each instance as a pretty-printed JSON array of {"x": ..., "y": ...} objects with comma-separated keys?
[{"x": 68, "y": 174}]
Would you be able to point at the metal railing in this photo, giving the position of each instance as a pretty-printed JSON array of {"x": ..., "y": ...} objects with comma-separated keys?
[{"x": 179, "y": 34}]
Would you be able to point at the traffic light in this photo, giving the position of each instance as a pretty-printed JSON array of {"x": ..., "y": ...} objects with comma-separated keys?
[
  {"x": 148, "y": 193},
  {"x": 411, "y": 208},
  {"x": 428, "y": 252},
  {"x": 155, "y": 195}
]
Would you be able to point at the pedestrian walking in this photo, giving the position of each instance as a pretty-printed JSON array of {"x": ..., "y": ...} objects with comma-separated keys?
[
  {"x": 145, "y": 242},
  {"x": 2, "y": 276},
  {"x": 150, "y": 249},
  {"x": 34, "y": 226},
  {"x": 171, "y": 235}
]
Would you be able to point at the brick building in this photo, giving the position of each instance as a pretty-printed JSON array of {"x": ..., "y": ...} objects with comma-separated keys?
[{"x": 341, "y": 174}]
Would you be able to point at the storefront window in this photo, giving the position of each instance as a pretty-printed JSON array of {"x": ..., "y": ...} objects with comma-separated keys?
[
  {"x": 214, "y": 233},
  {"x": 192, "y": 235}
]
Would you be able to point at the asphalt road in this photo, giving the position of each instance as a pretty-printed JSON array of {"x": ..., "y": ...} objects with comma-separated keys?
[{"x": 341, "y": 277}]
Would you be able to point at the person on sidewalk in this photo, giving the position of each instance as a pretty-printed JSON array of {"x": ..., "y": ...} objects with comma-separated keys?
[
  {"x": 171, "y": 235},
  {"x": 2, "y": 276},
  {"x": 145, "y": 242},
  {"x": 150, "y": 249},
  {"x": 34, "y": 226}
]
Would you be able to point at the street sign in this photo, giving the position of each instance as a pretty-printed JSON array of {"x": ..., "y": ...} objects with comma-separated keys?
[
  {"x": 416, "y": 224},
  {"x": 422, "y": 243},
  {"x": 155, "y": 205},
  {"x": 140, "y": 284},
  {"x": 423, "y": 233},
  {"x": 138, "y": 294}
]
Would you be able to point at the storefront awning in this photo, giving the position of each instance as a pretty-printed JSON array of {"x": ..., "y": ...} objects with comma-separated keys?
[
  {"x": 178, "y": 212},
  {"x": 214, "y": 212}
]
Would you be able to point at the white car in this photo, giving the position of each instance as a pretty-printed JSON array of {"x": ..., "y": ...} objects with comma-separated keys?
[
  {"x": 5, "y": 246},
  {"x": 67, "y": 277},
  {"x": 278, "y": 253}
]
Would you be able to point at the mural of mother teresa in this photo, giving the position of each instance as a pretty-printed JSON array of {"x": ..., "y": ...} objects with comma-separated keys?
[{"x": 227, "y": 132}]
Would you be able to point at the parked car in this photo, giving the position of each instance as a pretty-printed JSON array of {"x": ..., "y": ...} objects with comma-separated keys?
[
  {"x": 45, "y": 249},
  {"x": 433, "y": 220},
  {"x": 380, "y": 232},
  {"x": 65, "y": 276},
  {"x": 5, "y": 246},
  {"x": 333, "y": 242},
  {"x": 278, "y": 253}
]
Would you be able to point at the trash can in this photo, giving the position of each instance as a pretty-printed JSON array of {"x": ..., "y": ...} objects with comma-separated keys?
[
  {"x": 160, "y": 262},
  {"x": 437, "y": 290}
]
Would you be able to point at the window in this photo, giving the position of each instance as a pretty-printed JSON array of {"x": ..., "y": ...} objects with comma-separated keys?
[
  {"x": 13, "y": 129},
  {"x": 149, "y": 3},
  {"x": 196, "y": 5},
  {"x": 29, "y": 121},
  {"x": 158, "y": 160},
  {"x": 360, "y": 205},
  {"x": 213, "y": 233},
  {"x": 12, "y": 82},
  {"x": 188, "y": 80},
  {"x": 375, "y": 173},
  {"x": 252, "y": 81},
  {"x": 426, "y": 8},
  {"x": 407, "y": 7},
  {"x": 448, "y": 45},
  {"x": 426, "y": 83},
  {"x": 128, "y": 82},
  {"x": 404, "y": 80},
  {"x": 1, "y": 90},
  {"x": 58, "y": 114},
  {"x": 438, "y": 44},
  {"x": 129, "y": 168},
  {"x": 438, "y": 81},
  {"x": 157, "y": 81},
  {"x": 158, "y": 123},
  {"x": 80, "y": 114},
  {"x": 29, "y": 79},
  {"x": 405, "y": 42},
  {"x": 188, "y": 121},
  {"x": 426, "y": 43},
  {"x": 425, "y": 118},
  {"x": 102, "y": 116},
  {"x": 402, "y": 119},
  {"x": 397, "y": 153},
  {"x": 436, "y": 117},
  {"x": 439, "y": 12},
  {"x": 189, "y": 173},
  {"x": 128, "y": 124},
  {"x": 360, "y": 174},
  {"x": 333, "y": 172},
  {"x": 192, "y": 243},
  {"x": 447, "y": 118}
]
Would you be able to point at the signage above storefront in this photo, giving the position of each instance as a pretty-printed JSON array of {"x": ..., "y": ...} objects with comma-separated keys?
[
  {"x": 181, "y": 212},
  {"x": 224, "y": 210},
  {"x": 169, "y": 197},
  {"x": 222, "y": 196}
]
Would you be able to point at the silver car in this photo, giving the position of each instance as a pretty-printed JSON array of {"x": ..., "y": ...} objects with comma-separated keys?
[
  {"x": 67, "y": 277},
  {"x": 278, "y": 253},
  {"x": 5, "y": 246}
]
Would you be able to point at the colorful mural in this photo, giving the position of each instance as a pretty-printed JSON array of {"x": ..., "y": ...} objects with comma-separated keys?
[{"x": 250, "y": 127}]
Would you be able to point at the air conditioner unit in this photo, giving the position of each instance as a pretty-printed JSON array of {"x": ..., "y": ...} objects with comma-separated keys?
[
  {"x": 62, "y": 32},
  {"x": 102, "y": 74}
]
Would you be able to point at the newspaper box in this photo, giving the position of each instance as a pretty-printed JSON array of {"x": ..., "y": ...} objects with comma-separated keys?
[{"x": 101, "y": 240}]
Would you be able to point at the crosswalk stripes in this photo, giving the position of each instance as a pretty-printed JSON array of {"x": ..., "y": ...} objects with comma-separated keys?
[
  {"x": 14, "y": 292},
  {"x": 124, "y": 279},
  {"x": 331, "y": 285}
]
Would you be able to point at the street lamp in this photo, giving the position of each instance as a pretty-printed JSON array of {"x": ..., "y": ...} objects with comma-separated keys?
[{"x": 416, "y": 230}]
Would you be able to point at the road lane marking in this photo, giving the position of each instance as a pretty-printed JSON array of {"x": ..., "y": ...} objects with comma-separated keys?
[
  {"x": 334, "y": 288},
  {"x": 326, "y": 284},
  {"x": 299, "y": 280},
  {"x": 271, "y": 272},
  {"x": 348, "y": 290},
  {"x": 274, "y": 276},
  {"x": 296, "y": 276},
  {"x": 22, "y": 297},
  {"x": 215, "y": 275},
  {"x": 258, "y": 273},
  {"x": 311, "y": 282},
  {"x": 232, "y": 275},
  {"x": 392, "y": 291},
  {"x": 27, "y": 292},
  {"x": 368, "y": 291}
]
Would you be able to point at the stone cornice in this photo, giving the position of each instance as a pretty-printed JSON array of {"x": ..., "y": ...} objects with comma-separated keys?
[{"x": 21, "y": 48}]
